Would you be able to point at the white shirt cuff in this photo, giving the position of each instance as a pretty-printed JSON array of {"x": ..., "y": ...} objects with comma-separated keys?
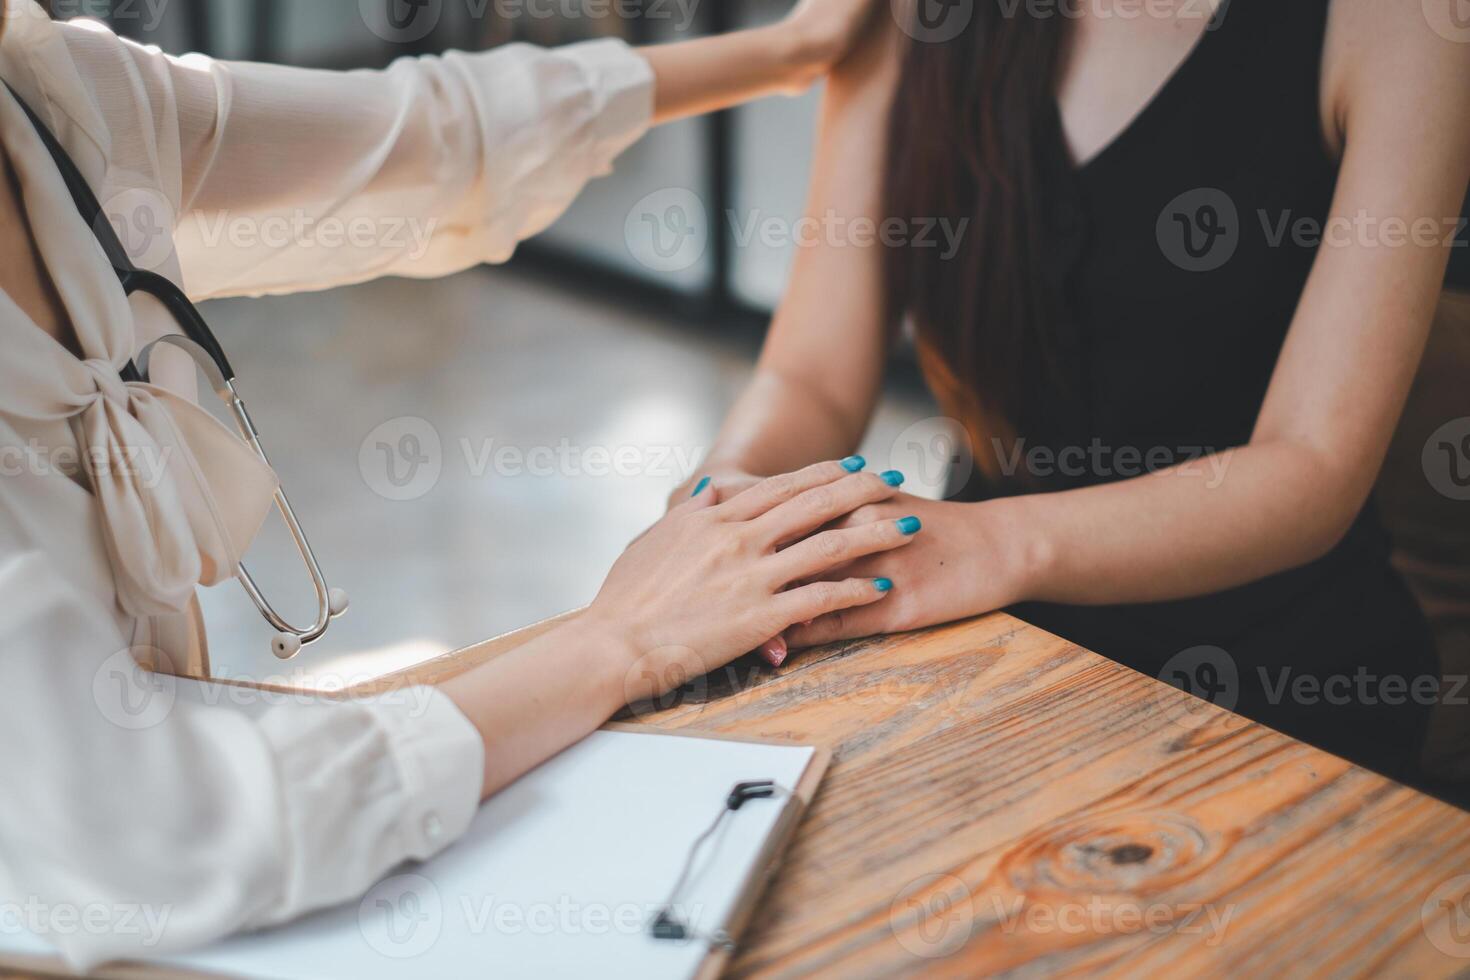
[
  {"x": 623, "y": 82},
  {"x": 441, "y": 761},
  {"x": 365, "y": 785}
]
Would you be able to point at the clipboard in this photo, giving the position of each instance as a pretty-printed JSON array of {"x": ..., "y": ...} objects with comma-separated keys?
[
  {"x": 747, "y": 890},
  {"x": 769, "y": 861}
]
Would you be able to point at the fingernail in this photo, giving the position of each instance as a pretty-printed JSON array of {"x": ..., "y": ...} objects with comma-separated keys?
[
  {"x": 701, "y": 488},
  {"x": 893, "y": 478},
  {"x": 854, "y": 463},
  {"x": 911, "y": 525},
  {"x": 883, "y": 584}
]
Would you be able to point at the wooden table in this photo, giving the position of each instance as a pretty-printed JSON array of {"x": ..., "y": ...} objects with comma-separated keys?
[{"x": 1003, "y": 800}]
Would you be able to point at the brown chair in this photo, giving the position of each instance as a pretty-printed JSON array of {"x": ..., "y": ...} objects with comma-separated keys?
[{"x": 1424, "y": 495}]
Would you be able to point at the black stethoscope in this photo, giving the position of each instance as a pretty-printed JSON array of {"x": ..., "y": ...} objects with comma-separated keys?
[{"x": 200, "y": 343}]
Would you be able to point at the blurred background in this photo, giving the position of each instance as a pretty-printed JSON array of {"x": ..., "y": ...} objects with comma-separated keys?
[{"x": 470, "y": 456}]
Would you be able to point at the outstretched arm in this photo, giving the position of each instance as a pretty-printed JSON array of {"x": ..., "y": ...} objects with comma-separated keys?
[
  {"x": 244, "y": 818},
  {"x": 703, "y": 586},
  {"x": 280, "y": 179}
]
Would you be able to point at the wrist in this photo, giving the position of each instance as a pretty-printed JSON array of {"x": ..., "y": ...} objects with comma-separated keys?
[
  {"x": 1015, "y": 548},
  {"x": 803, "y": 52},
  {"x": 608, "y": 654}
]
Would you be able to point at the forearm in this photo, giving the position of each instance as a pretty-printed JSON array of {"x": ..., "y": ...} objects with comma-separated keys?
[
  {"x": 1200, "y": 527},
  {"x": 541, "y": 697},
  {"x": 821, "y": 371},
  {"x": 711, "y": 73},
  {"x": 698, "y": 589},
  {"x": 780, "y": 424}
]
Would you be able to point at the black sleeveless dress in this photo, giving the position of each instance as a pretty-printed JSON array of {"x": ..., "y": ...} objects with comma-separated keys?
[{"x": 1181, "y": 251}]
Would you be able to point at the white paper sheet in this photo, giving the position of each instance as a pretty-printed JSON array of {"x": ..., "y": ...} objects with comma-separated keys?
[{"x": 558, "y": 876}]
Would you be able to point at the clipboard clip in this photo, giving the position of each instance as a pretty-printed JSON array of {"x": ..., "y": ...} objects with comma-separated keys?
[
  {"x": 666, "y": 925},
  {"x": 762, "y": 789}
]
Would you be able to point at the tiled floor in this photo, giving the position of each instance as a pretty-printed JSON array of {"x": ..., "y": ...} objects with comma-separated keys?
[{"x": 561, "y": 420}]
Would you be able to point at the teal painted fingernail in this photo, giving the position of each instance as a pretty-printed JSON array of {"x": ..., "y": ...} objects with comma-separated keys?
[
  {"x": 883, "y": 584},
  {"x": 854, "y": 463},
  {"x": 893, "y": 478},
  {"x": 701, "y": 488},
  {"x": 911, "y": 525}
]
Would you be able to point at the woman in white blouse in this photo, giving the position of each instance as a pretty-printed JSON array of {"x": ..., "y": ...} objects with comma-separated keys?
[{"x": 231, "y": 820}]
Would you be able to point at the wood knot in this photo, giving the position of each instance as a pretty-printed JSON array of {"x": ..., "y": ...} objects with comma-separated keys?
[
  {"x": 1110, "y": 854},
  {"x": 1130, "y": 853}
]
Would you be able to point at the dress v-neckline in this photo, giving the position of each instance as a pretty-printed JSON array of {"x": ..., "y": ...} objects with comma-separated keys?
[{"x": 1161, "y": 96}]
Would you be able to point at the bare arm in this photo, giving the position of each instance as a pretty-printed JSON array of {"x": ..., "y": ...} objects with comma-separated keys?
[
  {"x": 823, "y": 360},
  {"x": 711, "y": 73},
  {"x": 1344, "y": 372}
]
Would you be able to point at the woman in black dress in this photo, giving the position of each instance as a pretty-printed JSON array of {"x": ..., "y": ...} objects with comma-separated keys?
[{"x": 1201, "y": 248}]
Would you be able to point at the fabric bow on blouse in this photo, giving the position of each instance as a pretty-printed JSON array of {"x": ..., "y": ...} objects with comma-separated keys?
[{"x": 180, "y": 496}]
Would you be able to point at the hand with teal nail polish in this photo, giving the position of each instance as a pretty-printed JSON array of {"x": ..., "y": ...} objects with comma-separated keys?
[
  {"x": 948, "y": 571},
  {"x": 720, "y": 576}
]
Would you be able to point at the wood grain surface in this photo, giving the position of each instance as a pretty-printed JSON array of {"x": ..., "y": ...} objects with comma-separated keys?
[{"x": 1003, "y": 801}]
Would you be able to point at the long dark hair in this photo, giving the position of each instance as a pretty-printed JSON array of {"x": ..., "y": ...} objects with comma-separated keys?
[{"x": 974, "y": 134}]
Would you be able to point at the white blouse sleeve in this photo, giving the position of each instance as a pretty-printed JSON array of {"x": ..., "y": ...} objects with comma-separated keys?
[
  {"x": 286, "y": 179},
  {"x": 188, "y": 821}
]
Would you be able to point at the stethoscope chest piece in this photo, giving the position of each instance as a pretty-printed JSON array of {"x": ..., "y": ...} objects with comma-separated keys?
[{"x": 331, "y": 603}]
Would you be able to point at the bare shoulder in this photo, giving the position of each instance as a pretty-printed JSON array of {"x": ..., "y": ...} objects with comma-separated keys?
[{"x": 1406, "y": 58}]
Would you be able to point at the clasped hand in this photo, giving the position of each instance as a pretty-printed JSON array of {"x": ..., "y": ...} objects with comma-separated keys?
[
  {"x": 716, "y": 577},
  {"x": 960, "y": 562}
]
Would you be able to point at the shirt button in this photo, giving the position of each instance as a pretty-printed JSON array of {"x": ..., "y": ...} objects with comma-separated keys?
[{"x": 433, "y": 828}]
